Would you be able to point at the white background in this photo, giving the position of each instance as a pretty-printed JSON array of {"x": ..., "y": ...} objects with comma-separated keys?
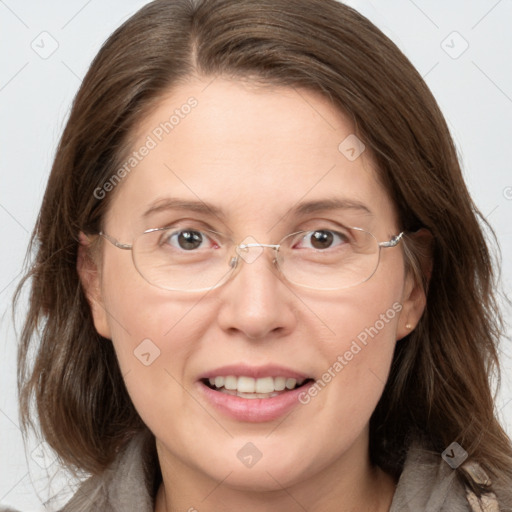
[{"x": 474, "y": 91}]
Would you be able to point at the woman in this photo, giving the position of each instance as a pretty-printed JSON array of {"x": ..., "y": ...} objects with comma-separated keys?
[{"x": 252, "y": 286}]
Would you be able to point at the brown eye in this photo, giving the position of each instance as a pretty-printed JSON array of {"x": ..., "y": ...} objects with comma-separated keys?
[
  {"x": 321, "y": 239},
  {"x": 186, "y": 239},
  {"x": 189, "y": 240}
]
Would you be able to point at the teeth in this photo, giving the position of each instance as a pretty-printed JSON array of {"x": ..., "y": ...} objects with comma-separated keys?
[
  {"x": 290, "y": 383},
  {"x": 248, "y": 395},
  {"x": 230, "y": 382},
  {"x": 279, "y": 383},
  {"x": 265, "y": 385},
  {"x": 247, "y": 385}
]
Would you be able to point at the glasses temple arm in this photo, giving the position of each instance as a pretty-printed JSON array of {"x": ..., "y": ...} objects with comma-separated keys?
[
  {"x": 113, "y": 241},
  {"x": 393, "y": 242}
]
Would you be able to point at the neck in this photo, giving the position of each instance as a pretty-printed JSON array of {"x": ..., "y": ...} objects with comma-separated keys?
[{"x": 349, "y": 484}]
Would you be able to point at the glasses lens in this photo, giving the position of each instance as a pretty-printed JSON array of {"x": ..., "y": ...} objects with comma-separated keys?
[
  {"x": 328, "y": 259},
  {"x": 198, "y": 260},
  {"x": 182, "y": 259}
]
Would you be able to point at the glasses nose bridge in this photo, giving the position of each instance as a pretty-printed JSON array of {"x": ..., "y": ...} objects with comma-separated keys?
[
  {"x": 242, "y": 248},
  {"x": 246, "y": 246},
  {"x": 257, "y": 244}
]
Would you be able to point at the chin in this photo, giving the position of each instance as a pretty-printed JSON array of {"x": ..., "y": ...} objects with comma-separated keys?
[
  {"x": 278, "y": 467},
  {"x": 262, "y": 479}
]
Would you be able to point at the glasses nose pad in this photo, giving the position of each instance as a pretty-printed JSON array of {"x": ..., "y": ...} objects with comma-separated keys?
[{"x": 277, "y": 259}]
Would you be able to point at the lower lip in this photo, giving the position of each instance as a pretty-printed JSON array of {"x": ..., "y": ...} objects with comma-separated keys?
[{"x": 255, "y": 410}]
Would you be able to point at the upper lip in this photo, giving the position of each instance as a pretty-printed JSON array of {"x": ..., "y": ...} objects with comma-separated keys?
[{"x": 255, "y": 372}]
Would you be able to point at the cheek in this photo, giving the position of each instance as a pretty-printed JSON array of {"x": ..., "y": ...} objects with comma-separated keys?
[
  {"x": 357, "y": 355},
  {"x": 154, "y": 333},
  {"x": 154, "y": 347},
  {"x": 137, "y": 310}
]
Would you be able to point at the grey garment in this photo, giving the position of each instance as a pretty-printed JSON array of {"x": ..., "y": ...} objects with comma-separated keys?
[
  {"x": 122, "y": 488},
  {"x": 427, "y": 484}
]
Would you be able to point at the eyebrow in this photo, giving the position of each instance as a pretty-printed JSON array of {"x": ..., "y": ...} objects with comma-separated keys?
[
  {"x": 303, "y": 208},
  {"x": 330, "y": 204},
  {"x": 180, "y": 204}
]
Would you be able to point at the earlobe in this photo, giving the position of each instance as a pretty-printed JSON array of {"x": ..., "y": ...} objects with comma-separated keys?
[
  {"x": 413, "y": 306},
  {"x": 89, "y": 273},
  {"x": 414, "y": 300}
]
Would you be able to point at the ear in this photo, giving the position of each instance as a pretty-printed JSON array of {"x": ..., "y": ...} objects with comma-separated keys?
[
  {"x": 418, "y": 250},
  {"x": 88, "y": 268}
]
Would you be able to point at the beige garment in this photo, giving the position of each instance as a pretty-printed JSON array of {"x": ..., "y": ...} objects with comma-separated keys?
[{"x": 429, "y": 484}]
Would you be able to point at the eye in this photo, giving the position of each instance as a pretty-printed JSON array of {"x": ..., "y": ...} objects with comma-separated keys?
[
  {"x": 188, "y": 240},
  {"x": 322, "y": 239}
]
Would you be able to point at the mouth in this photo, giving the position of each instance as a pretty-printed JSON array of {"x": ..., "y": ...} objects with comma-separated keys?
[
  {"x": 256, "y": 394},
  {"x": 247, "y": 387}
]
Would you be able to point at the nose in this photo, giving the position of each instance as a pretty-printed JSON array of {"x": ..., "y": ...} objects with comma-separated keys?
[{"x": 256, "y": 302}]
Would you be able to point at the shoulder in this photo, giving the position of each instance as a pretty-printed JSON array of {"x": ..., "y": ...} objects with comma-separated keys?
[
  {"x": 126, "y": 485},
  {"x": 428, "y": 483}
]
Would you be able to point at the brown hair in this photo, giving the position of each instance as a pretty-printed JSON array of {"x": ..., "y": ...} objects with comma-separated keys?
[{"x": 439, "y": 384}]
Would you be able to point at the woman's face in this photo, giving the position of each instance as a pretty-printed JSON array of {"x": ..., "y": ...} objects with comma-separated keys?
[{"x": 252, "y": 162}]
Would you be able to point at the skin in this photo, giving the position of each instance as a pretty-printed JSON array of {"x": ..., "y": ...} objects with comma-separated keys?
[{"x": 255, "y": 152}]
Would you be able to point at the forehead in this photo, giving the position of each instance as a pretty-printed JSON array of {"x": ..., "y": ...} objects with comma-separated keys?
[{"x": 254, "y": 153}]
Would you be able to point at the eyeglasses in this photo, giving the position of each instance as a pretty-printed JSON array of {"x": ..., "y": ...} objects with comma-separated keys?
[{"x": 194, "y": 260}]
